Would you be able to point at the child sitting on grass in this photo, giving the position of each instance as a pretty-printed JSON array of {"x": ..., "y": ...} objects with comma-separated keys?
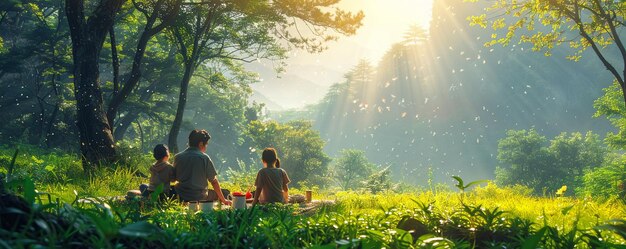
[
  {"x": 162, "y": 172},
  {"x": 271, "y": 181}
]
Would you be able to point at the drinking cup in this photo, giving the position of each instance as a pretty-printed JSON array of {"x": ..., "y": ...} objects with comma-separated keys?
[
  {"x": 239, "y": 202},
  {"x": 193, "y": 206},
  {"x": 206, "y": 206}
]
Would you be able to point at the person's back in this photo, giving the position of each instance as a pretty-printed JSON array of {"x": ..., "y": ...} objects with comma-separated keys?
[
  {"x": 161, "y": 172},
  {"x": 193, "y": 168},
  {"x": 271, "y": 181}
]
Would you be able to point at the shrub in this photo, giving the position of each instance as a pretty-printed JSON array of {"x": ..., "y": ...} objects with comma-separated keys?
[
  {"x": 243, "y": 177},
  {"x": 607, "y": 181},
  {"x": 351, "y": 169},
  {"x": 526, "y": 158}
]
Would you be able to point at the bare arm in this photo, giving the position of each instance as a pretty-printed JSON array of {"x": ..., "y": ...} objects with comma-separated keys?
[
  {"x": 286, "y": 194},
  {"x": 218, "y": 190},
  {"x": 257, "y": 193},
  {"x": 285, "y": 188}
]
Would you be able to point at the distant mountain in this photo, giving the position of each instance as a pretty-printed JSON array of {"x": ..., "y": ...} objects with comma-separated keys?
[
  {"x": 260, "y": 98},
  {"x": 445, "y": 103},
  {"x": 286, "y": 90}
]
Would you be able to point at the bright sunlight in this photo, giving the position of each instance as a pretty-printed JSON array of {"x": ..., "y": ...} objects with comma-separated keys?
[{"x": 312, "y": 124}]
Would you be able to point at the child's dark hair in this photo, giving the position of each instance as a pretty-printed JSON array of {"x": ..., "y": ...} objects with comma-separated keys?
[
  {"x": 271, "y": 157},
  {"x": 160, "y": 151},
  {"x": 197, "y": 136}
]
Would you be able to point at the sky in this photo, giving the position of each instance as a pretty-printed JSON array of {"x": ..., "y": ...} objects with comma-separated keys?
[{"x": 308, "y": 76}]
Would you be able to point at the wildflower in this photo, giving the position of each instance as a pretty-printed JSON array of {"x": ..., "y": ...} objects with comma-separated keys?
[{"x": 561, "y": 191}]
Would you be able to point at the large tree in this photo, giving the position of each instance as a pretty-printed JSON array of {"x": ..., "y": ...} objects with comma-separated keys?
[
  {"x": 300, "y": 149},
  {"x": 88, "y": 30},
  {"x": 159, "y": 15},
  {"x": 251, "y": 30},
  {"x": 526, "y": 158},
  {"x": 33, "y": 72},
  {"x": 581, "y": 24},
  {"x": 352, "y": 169}
]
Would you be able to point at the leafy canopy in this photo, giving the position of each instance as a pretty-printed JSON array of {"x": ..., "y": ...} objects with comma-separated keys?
[
  {"x": 351, "y": 169},
  {"x": 546, "y": 24},
  {"x": 527, "y": 158},
  {"x": 300, "y": 148}
]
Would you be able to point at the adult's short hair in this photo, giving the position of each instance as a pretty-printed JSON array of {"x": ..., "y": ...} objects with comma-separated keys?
[
  {"x": 197, "y": 136},
  {"x": 160, "y": 151}
]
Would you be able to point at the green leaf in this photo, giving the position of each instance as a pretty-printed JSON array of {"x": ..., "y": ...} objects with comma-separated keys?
[
  {"x": 476, "y": 182},
  {"x": 431, "y": 241},
  {"x": 617, "y": 226},
  {"x": 371, "y": 244},
  {"x": 405, "y": 237},
  {"x": 29, "y": 190},
  {"x": 460, "y": 183},
  {"x": 140, "y": 229},
  {"x": 43, "y": 225},
  {"x": 376, "y": 234},
  {"x": 50, "y": 168},
  {"x": 566, "y": 210},
  {"x": 327, "y": 246},
  {"x": 106, "y": 225},
  {"x": 346, "y": 243},
  {"x": 155, "y": 195},
  {"x": 533, "y": 241},
  {"x": 12, "y": 165}
]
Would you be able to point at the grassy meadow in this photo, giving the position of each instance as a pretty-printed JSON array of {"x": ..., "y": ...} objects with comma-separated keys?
[{"x": 486, "y": 216}]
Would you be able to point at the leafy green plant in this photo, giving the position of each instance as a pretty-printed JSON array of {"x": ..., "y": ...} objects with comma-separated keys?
[
  {"x": 242, "y": 178},
  {"x": 486, "y": 217},
  {"x": 461, "y": 186}
]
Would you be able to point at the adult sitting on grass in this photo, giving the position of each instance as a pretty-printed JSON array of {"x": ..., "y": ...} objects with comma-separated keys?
[
  {"x": 271, "y": 181},
  {"x": 194, "y": 169},
  {"x": 162, "y": 172}
]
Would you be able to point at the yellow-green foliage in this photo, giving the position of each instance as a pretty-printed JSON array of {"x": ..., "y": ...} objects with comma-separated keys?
[
  {"x": 473, "y": 216},
  {"x": 59, "y": 174},
  {"x": 516, "y": 201}
]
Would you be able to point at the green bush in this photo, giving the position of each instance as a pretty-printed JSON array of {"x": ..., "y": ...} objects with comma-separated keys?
[
  {"x": 243, "y": 177},
  {"x": 528, "y": 158},
  {"x": 300, "y": 149},
  {"x": 351, "y": 169},
  {"x": 605, "y": 182},
  {"x": 42, "y": 166},
  {"x": 132, "y": 157}
]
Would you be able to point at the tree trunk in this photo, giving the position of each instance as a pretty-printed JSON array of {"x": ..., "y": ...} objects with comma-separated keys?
[
  {"x": 623, "y": 87},
  {"x": 115, "y": 63},
  {"x": 88, "y": 34},
  {"x": 96, "y": 141},
  {"x": 135, "y": 75},
  {"x": 140, "y": 133},
  {"x": 124, "y": 123},
  {"x": 182, "y": 101},
  {"x": 122, "y": 126}
]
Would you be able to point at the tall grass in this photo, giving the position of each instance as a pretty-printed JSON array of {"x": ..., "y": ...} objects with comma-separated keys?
[{"x": 485, "y": 217}]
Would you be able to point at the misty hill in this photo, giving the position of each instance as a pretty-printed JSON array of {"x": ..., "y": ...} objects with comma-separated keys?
[
  {"x": 292, "y": 90},
  {"x": 260, "y": 98},
  {"x": 443, "y": 103}
]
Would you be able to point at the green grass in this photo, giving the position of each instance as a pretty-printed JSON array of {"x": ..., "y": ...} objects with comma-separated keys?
[{"x": 483, "y": 217}]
